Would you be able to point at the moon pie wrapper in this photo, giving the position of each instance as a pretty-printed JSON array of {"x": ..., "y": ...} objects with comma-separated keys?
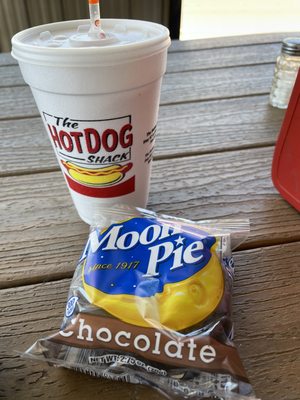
[{"x": 150, "y": 303}]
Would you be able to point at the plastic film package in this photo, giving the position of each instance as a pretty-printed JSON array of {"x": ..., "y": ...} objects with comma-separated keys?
[{"x": 150, "y": 303}]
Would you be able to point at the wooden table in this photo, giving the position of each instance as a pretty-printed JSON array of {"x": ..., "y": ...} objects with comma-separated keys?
[{"x": 213, "y": 158}]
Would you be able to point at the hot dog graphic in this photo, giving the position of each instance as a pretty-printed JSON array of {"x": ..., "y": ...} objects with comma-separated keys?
[{"x": 99, "y": 177}]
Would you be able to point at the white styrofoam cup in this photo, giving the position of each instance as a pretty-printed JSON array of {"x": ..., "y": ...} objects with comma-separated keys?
[{"x": 99, "y": 106}]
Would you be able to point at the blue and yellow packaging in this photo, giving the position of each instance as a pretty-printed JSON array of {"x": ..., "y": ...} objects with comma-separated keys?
[{"x": 154, "y": 272}]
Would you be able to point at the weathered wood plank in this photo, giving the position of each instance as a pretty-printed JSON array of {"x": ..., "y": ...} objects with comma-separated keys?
[
  {"x": 216, "y": 83},
  {"x": 223, "y": 57},
  {"x": 230, "y": 41},
  {"x": 25, "y": 147},
  {"x": 177, "y": 62},
  {"x": 11, "y": 76},
  {"x": 7, "y": 59},
  {"x": 265, "y": 314},
  {"x": 41, "y": 235},
  {"x": 17, "y": 102},
  {"x": 196, "y": 128}
]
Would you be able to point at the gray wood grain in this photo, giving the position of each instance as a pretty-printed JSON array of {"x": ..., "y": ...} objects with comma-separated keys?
[
  {"x": 230, "y": 41},
  {"x": 216, "y": 83},
  {"x": 17, "y": 102},
  {"x": 7, "y": 59},
  {"x": 202, "y": 127},
  {"x": 223, "y": 57},
  {"x": 11, "y": 76},
  {"x": 266, "y": 324},
  {"x": 41, "y": 235},
  {"x": 185, "y": 129}
]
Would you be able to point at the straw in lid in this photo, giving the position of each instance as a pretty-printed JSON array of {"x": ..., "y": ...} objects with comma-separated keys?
[{"x": 95, "y": 29}]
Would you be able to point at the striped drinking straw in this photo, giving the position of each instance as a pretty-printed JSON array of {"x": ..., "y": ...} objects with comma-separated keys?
[{"x": 95, "y": 18}]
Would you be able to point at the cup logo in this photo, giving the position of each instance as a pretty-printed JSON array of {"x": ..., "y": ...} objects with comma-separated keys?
[
  {"x": 100, "y": 177},
  {"x": 95, "y": 155}
]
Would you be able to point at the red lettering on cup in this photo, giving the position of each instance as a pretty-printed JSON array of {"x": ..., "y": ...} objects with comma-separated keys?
[
  {"x": 77, "y": 136},
  {"x": 66, "y": 141},
  {"x": 92, "y": 139},
  {"x": 110, "y": 135},
  {"x": 54, "y": 136},
  {"x": 126, "y": 138}
]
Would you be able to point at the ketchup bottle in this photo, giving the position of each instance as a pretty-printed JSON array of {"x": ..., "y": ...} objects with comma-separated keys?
[{"x": 286, "y": 161}]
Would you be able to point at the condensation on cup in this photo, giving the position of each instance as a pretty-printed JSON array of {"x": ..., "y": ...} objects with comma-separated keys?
[{"x": 99, "y": 103}]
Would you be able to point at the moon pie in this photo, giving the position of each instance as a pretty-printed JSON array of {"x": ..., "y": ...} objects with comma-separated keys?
[{"x": 150, "y": 302}]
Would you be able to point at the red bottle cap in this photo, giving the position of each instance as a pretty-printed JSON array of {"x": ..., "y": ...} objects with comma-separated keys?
[{"x": 286, "y": 160}]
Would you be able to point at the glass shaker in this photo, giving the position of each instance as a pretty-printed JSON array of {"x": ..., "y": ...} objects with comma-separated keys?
[{"x": 285, "y": 73}]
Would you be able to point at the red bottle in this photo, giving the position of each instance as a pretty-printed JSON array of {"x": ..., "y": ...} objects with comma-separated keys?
[{"x": 286, "y": 160}]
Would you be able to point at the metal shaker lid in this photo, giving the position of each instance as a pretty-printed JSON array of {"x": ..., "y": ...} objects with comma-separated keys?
[{"x": 291, "y": 46}]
